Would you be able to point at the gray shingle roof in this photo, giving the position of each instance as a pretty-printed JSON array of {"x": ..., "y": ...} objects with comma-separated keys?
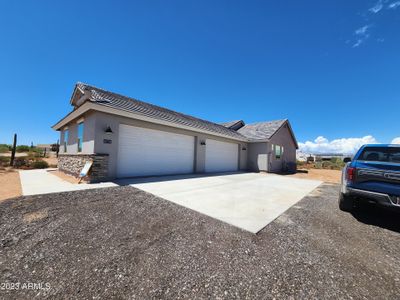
[
  {"x": 261, "y": 130},
  {"x": 121, "y": 102},
  {"x": 230, "y": 123}
]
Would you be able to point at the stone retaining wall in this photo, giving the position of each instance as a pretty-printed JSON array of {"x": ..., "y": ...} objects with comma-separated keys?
[{"x": 72, "y": 164}]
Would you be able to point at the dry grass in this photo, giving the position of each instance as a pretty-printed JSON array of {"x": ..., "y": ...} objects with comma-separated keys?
[{"x": 10, "y": 184}]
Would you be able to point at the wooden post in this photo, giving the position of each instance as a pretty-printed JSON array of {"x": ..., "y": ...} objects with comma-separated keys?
[{"x": 13, "y": 150}]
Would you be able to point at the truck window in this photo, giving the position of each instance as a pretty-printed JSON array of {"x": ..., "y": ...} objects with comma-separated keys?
[{"x": 381, "y": 154}]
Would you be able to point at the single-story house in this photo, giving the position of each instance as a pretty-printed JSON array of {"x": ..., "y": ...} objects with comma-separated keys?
[{"x": 125, "y": 137}]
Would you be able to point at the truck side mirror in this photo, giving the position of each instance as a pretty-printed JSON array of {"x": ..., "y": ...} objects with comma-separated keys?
[{"x": 347, "y": 159}]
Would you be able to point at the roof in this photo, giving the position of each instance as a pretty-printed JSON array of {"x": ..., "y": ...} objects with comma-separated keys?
[
  {"x": 230, "y": 123},
  {"x": 118, "y": 101},
  {"x": 257, "y": 132},
  {"x": 261, "y": 130},
  {"x": 265, "y": 130}
]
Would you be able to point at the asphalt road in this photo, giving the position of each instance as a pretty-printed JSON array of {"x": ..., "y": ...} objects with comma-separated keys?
[{"x": 124, "y": 243}]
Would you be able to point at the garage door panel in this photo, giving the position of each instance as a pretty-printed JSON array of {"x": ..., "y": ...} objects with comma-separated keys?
[
  {"x": 221, "y": 156},
  {"x": 144, "y": 152}
]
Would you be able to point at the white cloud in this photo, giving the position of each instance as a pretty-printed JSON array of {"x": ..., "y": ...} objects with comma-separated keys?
[
  {"x": 394, "y": 5},
  {"x": 377, "y": 7},
  {"x": 396, "y": 140},
  {"x": 338, "y": 146},
  {"x": 362, "y": 30},
  {"x": 358, "y": 43},
  {"x": 362, "y": 35}
]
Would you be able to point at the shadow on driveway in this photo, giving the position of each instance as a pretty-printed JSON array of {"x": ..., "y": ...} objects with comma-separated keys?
[
  {"x": 161, "y": 178},
  {"x": 377, "y": 216}
]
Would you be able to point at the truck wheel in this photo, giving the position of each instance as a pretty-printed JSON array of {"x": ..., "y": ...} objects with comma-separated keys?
[{"x": 346, "y": 203}]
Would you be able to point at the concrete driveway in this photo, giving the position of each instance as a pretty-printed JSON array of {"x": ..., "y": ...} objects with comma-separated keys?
[
  {"x": 36, "y": 182},
  {"x": 247, "y": 200}
]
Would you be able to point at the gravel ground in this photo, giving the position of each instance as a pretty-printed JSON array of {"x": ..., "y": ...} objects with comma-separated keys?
[{"x": 124, "y": 243}]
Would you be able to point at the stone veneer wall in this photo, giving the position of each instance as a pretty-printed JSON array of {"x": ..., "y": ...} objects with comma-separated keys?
[{"x": 73, "y": 164}]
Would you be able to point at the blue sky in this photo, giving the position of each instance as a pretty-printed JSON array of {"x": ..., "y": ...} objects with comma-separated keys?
[{"x": 331, "y": 67}]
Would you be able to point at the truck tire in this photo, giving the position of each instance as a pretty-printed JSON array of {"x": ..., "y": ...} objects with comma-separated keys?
[{"x": 346, "y": 203}]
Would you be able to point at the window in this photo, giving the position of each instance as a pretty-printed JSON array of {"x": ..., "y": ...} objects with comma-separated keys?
[
  {"x": 278, "y": 151},
  {"x": 65, "y": 140},
  {"x": 80, "y": 137},
  {"x": 381, "y": 154}
]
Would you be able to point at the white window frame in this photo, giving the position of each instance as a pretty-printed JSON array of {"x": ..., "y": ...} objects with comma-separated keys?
[
  {"x": 65, "y": 140},
  {"x": 278, "y": 157},
  {"x": 79, "y": 140}
]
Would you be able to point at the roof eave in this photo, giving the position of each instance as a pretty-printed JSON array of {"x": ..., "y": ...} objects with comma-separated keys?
[
  {"x": 72, "y": 115},
  {"x": 125, "y": 113},
  {"x": 253, "y": 141}
]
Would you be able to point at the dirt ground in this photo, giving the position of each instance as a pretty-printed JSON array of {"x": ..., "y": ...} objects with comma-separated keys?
[
  {"x": 330, "y": 176},
  {"x": 52, "y": 161},
  {"x": 8, "y": 154},
  {"x": 65, "y": 177},
  {"x": 10, "y": 184}
]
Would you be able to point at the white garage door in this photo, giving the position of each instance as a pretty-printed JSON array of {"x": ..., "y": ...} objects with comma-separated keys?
[
  {"x": 221, "y": 156},
  {"x": 143, "y": 152}
]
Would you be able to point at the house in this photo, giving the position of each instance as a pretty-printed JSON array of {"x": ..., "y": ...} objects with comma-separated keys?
[{"x": 125, "y": 137}]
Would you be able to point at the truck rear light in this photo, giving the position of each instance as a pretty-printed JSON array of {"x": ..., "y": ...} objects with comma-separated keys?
[{"x": 351, "y": 174}]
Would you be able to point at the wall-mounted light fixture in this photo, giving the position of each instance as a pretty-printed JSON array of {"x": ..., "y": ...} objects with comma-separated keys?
[
  {"x": 202, "y": 143},
  {"x": 108, "y": 130},
  {"x": 244, "y": 148}
]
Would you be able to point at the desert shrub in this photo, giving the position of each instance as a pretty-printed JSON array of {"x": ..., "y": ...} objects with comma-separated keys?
[
  {"x": 327, "y": 165},
  {"x": 300, "y": 163},
  {"x": 39, "y": 164},
  {"x": 37, "y": 151},
  {"x": 31, "y": 156},
  {"x": 4, "y": 161},
  {"x": 23, "y": 148},
  {"x": 4, "y": 148},
  {"x": 318, "y": 165},
  {"x": 20, "y": 162}
]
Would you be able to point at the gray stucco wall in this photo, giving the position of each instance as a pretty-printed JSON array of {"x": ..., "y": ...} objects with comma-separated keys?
[
  {"x": 252, "y": 156},
  {"x": 288, "y": 159},
  {"x": 257, "y": 157},
  {"x": 261, "y": 156},
  {"x": 88, "y": 135},
  {"x": 243, "y": 155},
  {"x": 102, "y": 120}
]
